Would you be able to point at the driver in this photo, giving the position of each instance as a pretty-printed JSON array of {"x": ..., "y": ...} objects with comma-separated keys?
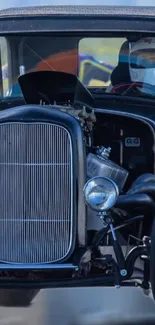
[
  {"x": 142, "y": 62},
  {"x": 139, "y": 68}
]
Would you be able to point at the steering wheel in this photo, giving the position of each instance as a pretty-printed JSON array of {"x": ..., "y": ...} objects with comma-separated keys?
[{"x": 129, "y": 86}]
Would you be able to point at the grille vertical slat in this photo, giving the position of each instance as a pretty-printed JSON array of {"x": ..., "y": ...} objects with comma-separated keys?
[{"x": 36, "y": 192}]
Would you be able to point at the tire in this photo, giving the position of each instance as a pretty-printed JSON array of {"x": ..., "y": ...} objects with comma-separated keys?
[
  {"x": 17, "y": 297},
  {"x": 152, "y": 260}
]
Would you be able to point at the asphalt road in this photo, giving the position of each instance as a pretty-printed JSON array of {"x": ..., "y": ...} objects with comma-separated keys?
[{"x": 62, "y": 306}]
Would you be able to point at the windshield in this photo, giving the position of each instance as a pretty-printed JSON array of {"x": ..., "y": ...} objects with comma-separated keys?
[{"x": 112, "y": 65}]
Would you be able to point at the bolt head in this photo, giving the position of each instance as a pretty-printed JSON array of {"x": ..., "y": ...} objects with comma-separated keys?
[{"x": 123, "y": 272}]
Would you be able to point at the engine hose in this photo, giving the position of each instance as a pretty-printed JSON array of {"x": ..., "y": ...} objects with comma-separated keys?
[
  {"x": 148, "y": 177},
  {"x": 132, "y": 257},
  {"x": 143, "y": 188},
  {"x": 140, "y": 202}
]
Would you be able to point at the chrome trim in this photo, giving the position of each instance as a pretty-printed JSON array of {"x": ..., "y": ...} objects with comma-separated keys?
[
  {"x": 8, "y": 266},
  {"x": 33, "y": 155}
]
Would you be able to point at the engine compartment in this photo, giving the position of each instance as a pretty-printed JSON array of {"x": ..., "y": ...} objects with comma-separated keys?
[{"x": 129, "y": 158}]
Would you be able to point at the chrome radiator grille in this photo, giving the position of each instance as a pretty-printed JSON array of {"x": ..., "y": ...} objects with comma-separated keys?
[{"x": 35, "y": 192}]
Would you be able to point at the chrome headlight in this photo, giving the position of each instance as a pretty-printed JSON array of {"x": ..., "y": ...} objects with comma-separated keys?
[{"x": 100, "y": 193}]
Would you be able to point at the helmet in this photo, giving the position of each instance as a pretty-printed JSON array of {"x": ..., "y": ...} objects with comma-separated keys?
[{"x": 142, "y": 61}]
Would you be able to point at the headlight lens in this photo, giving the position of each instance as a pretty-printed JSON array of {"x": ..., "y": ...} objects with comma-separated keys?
[{"x": 100, "y": 193}]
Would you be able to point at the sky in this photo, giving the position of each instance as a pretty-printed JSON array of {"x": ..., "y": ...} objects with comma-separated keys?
[{"x": 16, "y": 3}]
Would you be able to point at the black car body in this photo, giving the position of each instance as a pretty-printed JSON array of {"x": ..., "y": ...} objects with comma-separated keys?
[{"x": 48, "y": 128}]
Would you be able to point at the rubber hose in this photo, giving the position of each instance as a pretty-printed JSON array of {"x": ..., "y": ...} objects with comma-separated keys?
[
  {"x": 148, "y": 177},
  {"x": 144, "y": 188},
  {"x": 139, "y": 202}
]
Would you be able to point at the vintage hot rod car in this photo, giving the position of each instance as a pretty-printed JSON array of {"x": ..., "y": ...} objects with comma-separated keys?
[{"x": 77, "y": 162}]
